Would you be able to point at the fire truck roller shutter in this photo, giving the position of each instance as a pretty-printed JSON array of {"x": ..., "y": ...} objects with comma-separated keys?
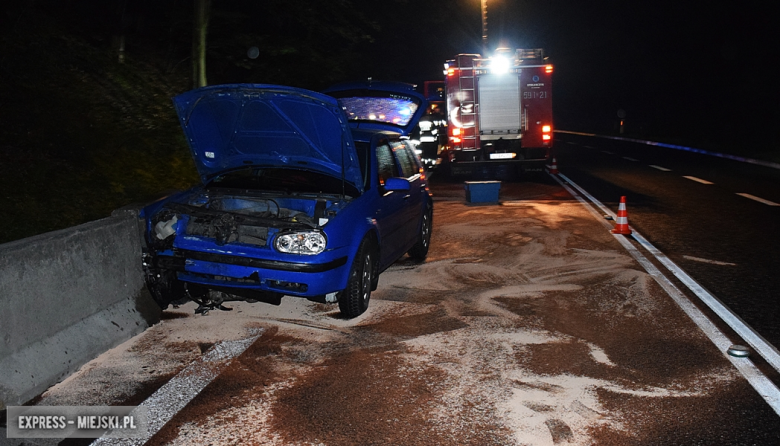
[{"x": 499, "y": 118}]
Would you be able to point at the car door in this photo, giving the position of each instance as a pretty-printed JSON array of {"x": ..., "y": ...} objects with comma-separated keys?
[
  {"x": 391, "y": 212},
  {"x": 410, "y": 169}
]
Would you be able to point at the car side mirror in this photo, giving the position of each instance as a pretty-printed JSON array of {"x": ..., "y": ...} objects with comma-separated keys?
[{"x": 398, "y": 184}]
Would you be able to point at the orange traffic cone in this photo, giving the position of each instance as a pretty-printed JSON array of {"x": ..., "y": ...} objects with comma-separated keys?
[
  {"x": 554, "y": 168},
  {"x": 622, "y": 219}
]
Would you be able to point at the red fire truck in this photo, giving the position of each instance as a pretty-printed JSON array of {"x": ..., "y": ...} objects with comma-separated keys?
[{"x": 499, "y": 113}]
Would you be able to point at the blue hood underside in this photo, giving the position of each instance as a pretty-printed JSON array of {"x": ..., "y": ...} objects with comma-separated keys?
[{"x": 239, "y": 125}]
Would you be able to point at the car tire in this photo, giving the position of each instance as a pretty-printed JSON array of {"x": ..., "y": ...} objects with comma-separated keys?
[
  {"x": 420, "y": 249},
  {"x": 520, "y": 172},
  {"x": 165, "y": 288},
  {"x": 353, "y": 300}
]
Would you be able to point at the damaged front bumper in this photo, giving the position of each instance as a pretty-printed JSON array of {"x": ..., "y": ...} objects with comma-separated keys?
[{"x": 223, "y": 270}]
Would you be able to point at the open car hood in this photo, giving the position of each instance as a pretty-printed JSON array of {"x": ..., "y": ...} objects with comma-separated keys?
[
  {"x": 371, "y": 105},
  {"x": 238, "y": 125}
]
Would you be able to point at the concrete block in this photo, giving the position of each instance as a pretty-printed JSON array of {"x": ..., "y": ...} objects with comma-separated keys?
[{"x": 66, "y": 297}]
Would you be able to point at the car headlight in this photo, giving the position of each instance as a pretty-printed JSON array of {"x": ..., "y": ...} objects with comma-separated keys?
[{"x": 306, "y": 242}]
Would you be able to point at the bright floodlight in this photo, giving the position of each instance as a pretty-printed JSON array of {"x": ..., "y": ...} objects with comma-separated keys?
[{"x": 499, "y": 65}]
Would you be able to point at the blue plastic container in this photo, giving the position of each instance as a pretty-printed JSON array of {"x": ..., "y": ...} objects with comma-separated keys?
[{"x": 482, "y": 191}]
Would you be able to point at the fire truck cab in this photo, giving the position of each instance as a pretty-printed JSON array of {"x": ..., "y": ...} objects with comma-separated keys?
[{"x": 499, "y": 111}]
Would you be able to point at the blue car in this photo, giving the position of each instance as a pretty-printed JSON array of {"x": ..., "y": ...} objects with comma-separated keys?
[{"x": 301, "y": 194}]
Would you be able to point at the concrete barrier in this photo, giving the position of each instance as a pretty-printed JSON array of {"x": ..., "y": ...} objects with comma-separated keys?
[{"x": 66, "y": 297}]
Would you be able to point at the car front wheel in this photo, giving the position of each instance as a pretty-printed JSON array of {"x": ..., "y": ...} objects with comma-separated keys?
[{"x": 353, "y": 300}]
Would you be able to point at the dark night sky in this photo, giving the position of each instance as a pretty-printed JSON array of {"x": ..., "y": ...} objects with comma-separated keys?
[
  {"x": 680, "y": 69},
  {"x": 691, "y": 73}
]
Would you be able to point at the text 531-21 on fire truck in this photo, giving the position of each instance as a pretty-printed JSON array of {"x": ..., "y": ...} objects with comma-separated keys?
[{"x": 499, "y": 112}]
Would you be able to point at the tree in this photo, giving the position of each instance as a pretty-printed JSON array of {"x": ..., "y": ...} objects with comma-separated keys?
[{"x": 200, "y": 27}]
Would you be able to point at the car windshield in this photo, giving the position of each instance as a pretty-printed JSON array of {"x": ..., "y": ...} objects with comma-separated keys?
[
  {"x": 282, "y": 180},
  {"x": 388, "y": 108}
]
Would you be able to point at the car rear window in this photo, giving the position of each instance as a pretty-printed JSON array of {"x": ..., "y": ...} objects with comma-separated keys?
[{"x": 378, "y": 106}]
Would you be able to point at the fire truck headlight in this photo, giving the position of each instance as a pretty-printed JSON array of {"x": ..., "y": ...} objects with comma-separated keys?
[
  {"x": 546, "y": 128},
  {"x": 499, "y": 65}
]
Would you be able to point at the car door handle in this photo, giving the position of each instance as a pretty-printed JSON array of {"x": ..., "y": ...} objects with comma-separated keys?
[{"x": 406, "y": 197}]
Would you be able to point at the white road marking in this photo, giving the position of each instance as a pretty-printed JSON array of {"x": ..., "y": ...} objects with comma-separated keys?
[
  {"x": 698, "y": 180},
  {"x": 169, "y": 399},
  {"x": 607, "y": 152},
  {"x": 664, "y": 169},
  {"x": 630, "y": 159},
  {"x": 714, "y": 262},
  {"x": 758, "y": 199},
  {"x": 766, "y": 388}
]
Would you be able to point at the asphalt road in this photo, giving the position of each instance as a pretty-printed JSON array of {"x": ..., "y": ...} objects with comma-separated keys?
[
  {"x": 687, "y": 205},
  {"x": 528, "y": 324}
]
